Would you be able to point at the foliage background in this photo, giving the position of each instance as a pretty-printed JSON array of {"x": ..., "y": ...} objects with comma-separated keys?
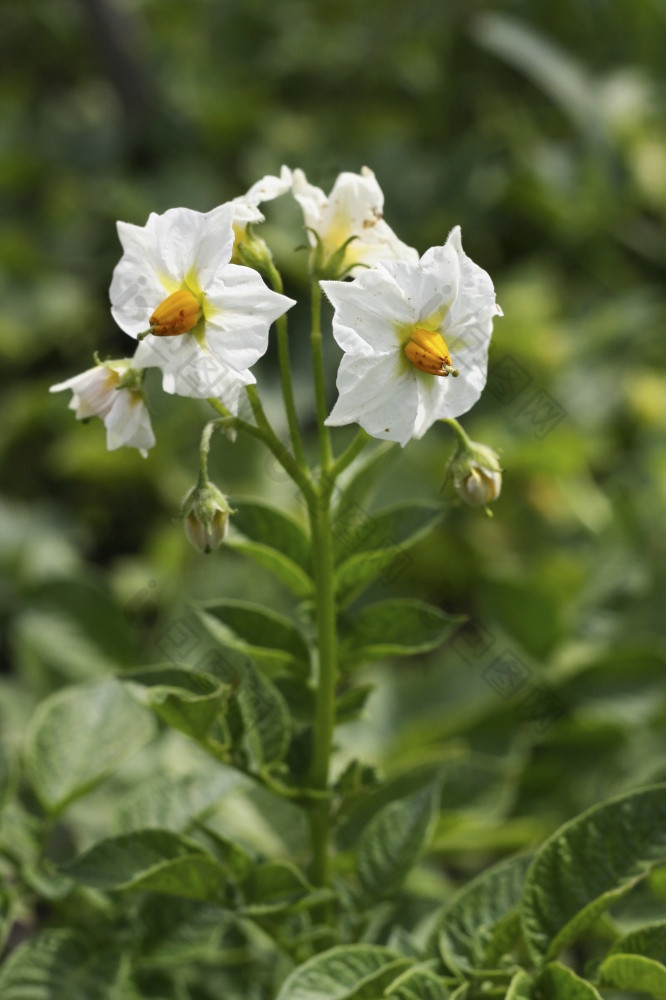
[{"x": 539, "y": 129}]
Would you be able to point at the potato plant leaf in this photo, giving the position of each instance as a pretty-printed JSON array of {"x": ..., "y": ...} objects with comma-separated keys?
[{"x": 588, "y": 864}]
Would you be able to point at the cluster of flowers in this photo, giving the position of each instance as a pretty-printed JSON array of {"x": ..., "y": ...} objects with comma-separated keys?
[{"x": 414, "y": 331}]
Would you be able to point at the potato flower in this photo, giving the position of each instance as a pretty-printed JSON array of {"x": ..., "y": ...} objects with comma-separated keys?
[
  {"x": 249, "y": 248},
  {"x": 112, "y": 391},
  {"x": 201, "y": 319},
  {"x": 416, "y": 340},
  {"x": 346, "y": 229},
  {"x": 246, "y": 206}
]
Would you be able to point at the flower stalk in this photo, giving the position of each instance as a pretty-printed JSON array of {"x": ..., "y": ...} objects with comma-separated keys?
[{"x": 325, "y": 455}]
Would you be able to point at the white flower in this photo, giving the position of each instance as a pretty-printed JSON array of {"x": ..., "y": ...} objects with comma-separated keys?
[
  {"x": 416, "y": 340},
  {"x": 249, "y": 248},
  {"x": 269, "y": 187},
  {"x": 352, "y": 211},
  {"x": 205, "y": 319},
  {"x": 112, "y": 392}
]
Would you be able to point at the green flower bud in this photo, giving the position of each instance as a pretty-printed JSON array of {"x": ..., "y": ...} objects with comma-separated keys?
[
  {"x": 250, "y": 249},
  {"x": 480, "y": 486},
  {"x": 205, "y": 513},
  {"x": 476, "y": 473}
]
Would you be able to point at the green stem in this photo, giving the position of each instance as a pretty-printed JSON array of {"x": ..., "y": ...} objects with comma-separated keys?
[
  {"x": 285, "y": 373},
  {"x": 204, "y": 448},
  {"x": 458, "y": 431},
  {"x": 325, "y": 454},
  {"x": 324, "y": 720},
  {"x": 349, "y": 454}
]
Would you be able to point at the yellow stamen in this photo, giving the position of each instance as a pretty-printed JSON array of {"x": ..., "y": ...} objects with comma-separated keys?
[
  {"x": 428, "y": 352},
  {"x": 178, "y": 313}
]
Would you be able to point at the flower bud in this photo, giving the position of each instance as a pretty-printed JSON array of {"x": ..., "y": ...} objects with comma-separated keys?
[
  {"x": 205, "y": 513},
  {"x": 250, "y": 249},
  {"x": 476, "y": 473},
  {"x": 480, "y": 486}
]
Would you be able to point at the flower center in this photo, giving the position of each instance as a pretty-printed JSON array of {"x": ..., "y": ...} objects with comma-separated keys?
[
  {"x": 178, "y": 313},
  {"x": 428, "y": 352}
]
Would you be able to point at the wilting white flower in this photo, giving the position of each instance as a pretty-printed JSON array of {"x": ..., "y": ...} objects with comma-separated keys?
[
  {"x": 416, "y": 340},
  {"x": 205, "y": 320},
  {"x": 246, "y": 206},
  {"x": 112, "y": 391},
  {"x": 352, "y": 212},
  {"x": 249, "y": 248}
]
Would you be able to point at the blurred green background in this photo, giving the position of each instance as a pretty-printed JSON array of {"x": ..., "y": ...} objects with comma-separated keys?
[{"x": 539, "y": 129}]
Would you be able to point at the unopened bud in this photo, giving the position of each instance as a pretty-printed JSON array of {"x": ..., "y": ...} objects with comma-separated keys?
[
  {"x": 205, "y": 513},
  {"x": 250, "y": 249},
  {"x": 480, "y": 486},
  {"x": 476, "y": 473}
]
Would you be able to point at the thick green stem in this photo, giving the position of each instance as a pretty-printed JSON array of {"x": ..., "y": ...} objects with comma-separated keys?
[
  {"x": 324, "y": 721},
  {"x": 325, "y": 455},
  {"x": 285, "y": 373}
]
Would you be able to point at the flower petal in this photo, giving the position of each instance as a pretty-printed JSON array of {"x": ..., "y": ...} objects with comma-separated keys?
[
  {"x": 311, "y": 199},
  {"x": 215, "y": 245},
  {"x": 128, "y": 423},
  {"x": 470, "y": 318},
  {"x": 243, "y": 310},
  {"x": 137, "y": 285},
  {"x": 268, "y": 188},
  {"x": 367, "y": 312},
  {"x": 190, "y": 370},
  {"x": 378, "y": 396},
  {"x": 93, "y": 391}
]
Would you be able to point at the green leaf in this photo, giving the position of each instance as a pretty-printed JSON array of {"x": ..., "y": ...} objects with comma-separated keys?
[
  {"x": 277, "y": 887},
  {"x": 188, "y": 700},
  {"x": 379, "y": 545},
  {"x": 463, "y": 926},
  {"x": 393, "y": 526},
  {"x": 57, "y": 965},
  {"x": 7, "y": 775},
  {"x": 266, "y": 725},
  {"x": 172, "y": 802},
  {"x": 350, "y": 497},
  {"x": 337, "y": 974},
  {"x": 79, "y": 736},
  {"x": 269, "y": 638},
  {"x": 235, "y": 860},
  {"x": 393, "y": 842},
  {"x": 588, "y": 864},
  {"x": 269, "y": 527},
  {"x": 398, "y": 627},
  {"x": 375, "y": 985},
  {"x": 558, "y": 982},
  {"x": 649, "y": 940},
  {"x": 73, "y": 630},
  {"x": 520, "y": 987},
  {"x": 634, "y": 972},
  {"x": 150, "y": 859},
  {"x": 418, "y": 983},
  {"x": 287, "y": 572},
  {"x": 351, "y": 703}
]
